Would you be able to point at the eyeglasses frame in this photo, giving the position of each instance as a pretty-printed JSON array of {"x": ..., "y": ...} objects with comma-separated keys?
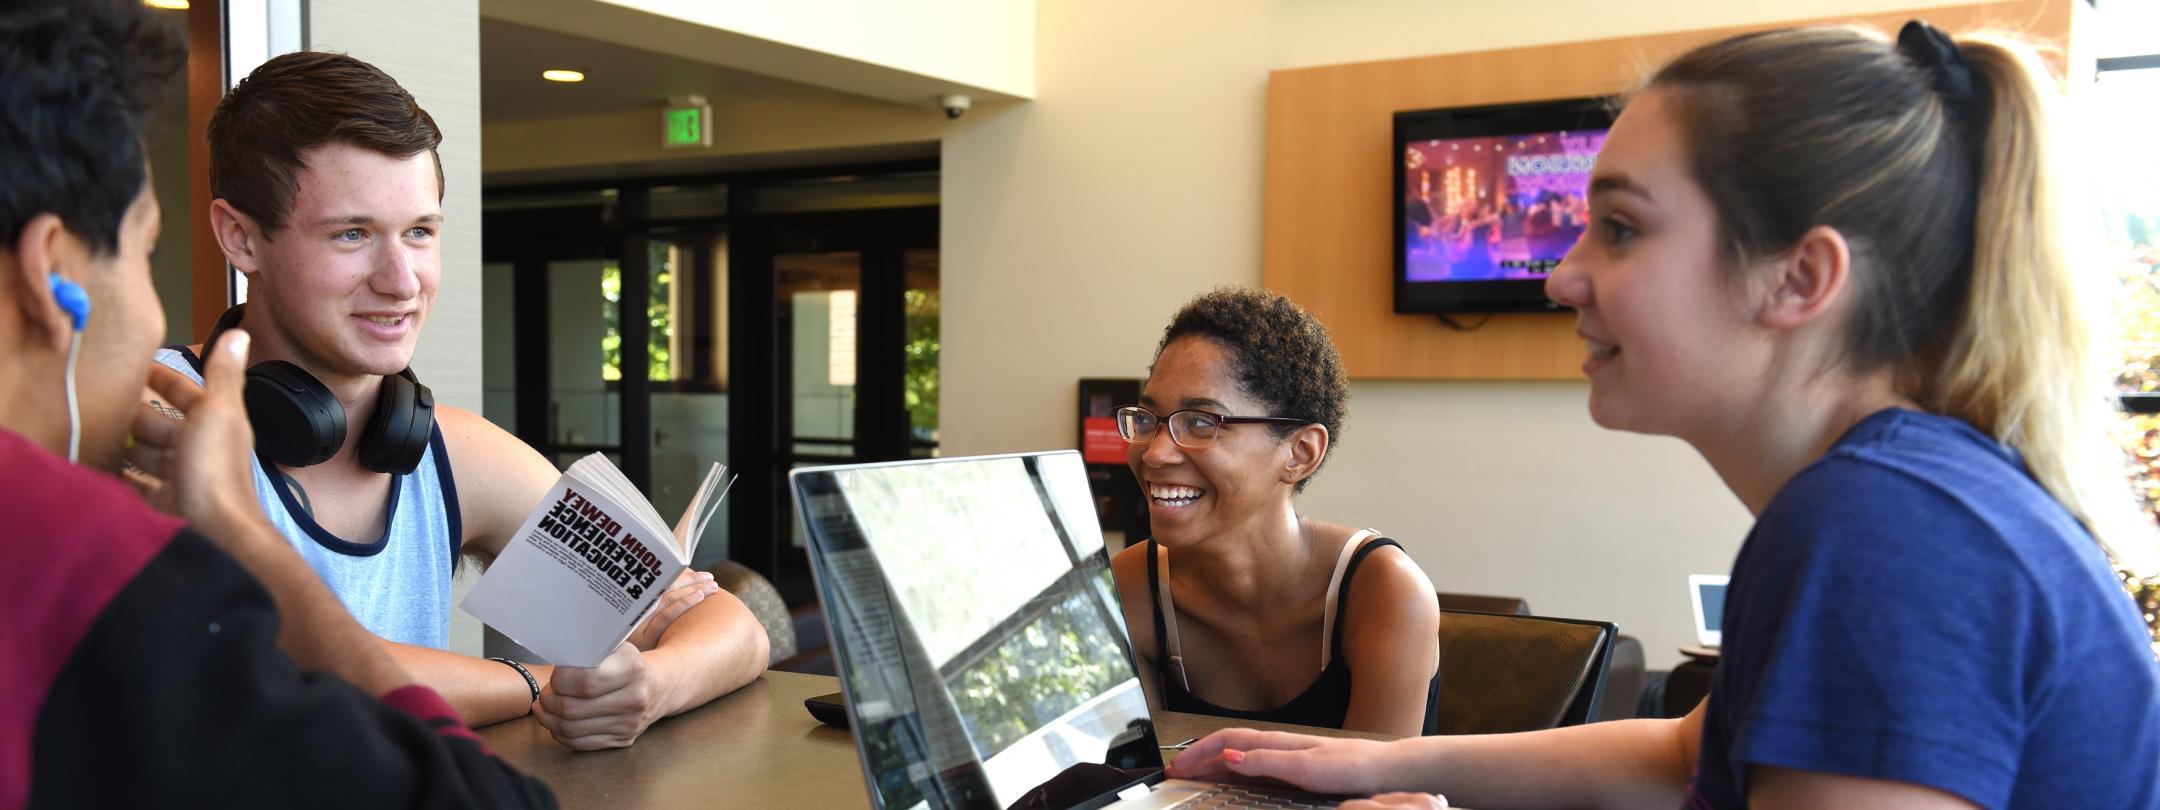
[{"x": 1224, "y": 420}]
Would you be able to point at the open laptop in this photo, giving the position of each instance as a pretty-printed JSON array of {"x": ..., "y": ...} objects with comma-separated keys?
[
  {"x": 1707, "y": 591},
  {"x": 978, "y": 635}
]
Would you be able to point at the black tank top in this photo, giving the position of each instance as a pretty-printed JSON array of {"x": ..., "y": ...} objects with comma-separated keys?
[{"x": 1324, "y": 704}]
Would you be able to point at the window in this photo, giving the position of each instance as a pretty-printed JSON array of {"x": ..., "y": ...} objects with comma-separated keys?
[
  {"x": 2125, "y": 173},
  {"x": 661, "y": 357}
]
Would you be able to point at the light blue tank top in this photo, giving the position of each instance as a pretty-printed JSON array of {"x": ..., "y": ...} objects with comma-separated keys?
[{"x": 397, "y": 585}]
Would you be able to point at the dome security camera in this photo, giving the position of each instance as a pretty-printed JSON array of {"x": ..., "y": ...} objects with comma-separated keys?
[{"x": 955, "y": 104}]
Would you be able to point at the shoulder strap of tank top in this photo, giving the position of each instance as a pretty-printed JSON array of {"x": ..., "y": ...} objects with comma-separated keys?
[
  {"x": 1338, "y": 594},
  {"x": 1169, "y": 654},
  {"x": 188, "y": 355}
]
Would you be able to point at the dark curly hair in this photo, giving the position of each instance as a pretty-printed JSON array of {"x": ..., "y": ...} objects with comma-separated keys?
[
  {"x": 78, "y": 83},
  {"x": 1280, "y": 355}
]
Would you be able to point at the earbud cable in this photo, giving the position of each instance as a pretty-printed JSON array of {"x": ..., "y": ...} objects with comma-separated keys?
[{"x": 74, "y": 416}]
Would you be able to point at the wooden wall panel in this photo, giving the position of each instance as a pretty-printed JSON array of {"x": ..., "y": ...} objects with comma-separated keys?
[
  {"x": 206, "y": 87},
  {"x": 1327, "y": 219}
]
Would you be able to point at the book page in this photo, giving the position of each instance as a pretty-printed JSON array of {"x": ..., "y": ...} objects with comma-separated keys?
[
  {"x": 600, "y": 474},
  {"x": 703, "y": 506}
]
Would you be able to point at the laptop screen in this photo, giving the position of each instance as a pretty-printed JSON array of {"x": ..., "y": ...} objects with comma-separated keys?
[
  {"x": 975, "y": 623},
  {"x": 1708, "y": 592}
]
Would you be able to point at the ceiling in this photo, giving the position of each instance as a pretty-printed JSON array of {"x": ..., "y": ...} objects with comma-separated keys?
[
  {"x": 621, "y": 78},
  {"x": 617, "y": 78}
]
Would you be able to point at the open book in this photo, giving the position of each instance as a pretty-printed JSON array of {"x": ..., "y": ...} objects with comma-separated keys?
[{"x": 591, "y": 560}]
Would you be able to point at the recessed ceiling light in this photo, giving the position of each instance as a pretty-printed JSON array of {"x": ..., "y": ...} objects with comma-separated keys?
[
  {"x": 563, "y": 75},
  {"x": 174, "y": 5}
]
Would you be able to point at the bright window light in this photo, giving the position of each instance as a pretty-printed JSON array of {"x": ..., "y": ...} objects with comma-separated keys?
[{"x": 840, "y": 334}]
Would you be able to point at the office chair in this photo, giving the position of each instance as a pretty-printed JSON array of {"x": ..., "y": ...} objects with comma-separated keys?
[
  {"x": 1501, "y": 673},
  {"x": 1625, "y": 681},
  {"x": 1511, "y": 605}
]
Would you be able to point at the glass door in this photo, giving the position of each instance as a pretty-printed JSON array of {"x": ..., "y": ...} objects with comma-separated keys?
[
  {"x": 764, "y": 320},
  {"x": 853, "y": 328},
  {"x": 921, "y": 351},
  {"x": 686, "y": 375},
  {"x": 582, "y": 409},
  {"x": 817, "y": 298}
]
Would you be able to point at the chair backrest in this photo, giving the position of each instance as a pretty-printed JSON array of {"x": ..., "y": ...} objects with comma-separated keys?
[
  {"x": 1512, "y": 605},
  {"x": 1625, "y": 680},
  {"x": 1502, "y": 673},
  {"x": 763, "y": 601}
]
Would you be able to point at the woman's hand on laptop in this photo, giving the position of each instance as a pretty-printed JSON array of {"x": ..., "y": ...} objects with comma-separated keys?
[
  {"x": 1396, "y": 800},
  {"x": 607, "y": 706},
  {"x": 1318, "y": 764}
]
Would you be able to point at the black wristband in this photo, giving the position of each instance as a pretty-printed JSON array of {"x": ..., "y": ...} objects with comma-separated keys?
[{"x": 521, "y": 670}]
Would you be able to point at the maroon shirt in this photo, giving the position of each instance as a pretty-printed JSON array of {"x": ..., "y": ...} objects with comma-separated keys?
[{"x": 139, "y": 664}]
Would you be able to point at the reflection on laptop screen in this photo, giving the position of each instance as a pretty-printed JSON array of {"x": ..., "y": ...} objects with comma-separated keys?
[{"x": 976, "y": 625}]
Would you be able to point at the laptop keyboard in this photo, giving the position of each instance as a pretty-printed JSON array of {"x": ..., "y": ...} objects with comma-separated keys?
[{"x": 1239, "y": 796}]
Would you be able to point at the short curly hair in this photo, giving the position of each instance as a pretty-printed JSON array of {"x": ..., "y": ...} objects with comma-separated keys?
[
  {"x": 79, "y": 82},
  {"x": 1280, "y": 355}
]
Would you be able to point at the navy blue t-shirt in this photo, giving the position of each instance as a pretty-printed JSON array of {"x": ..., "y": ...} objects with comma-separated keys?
[{"x": 1914, "y": 607}]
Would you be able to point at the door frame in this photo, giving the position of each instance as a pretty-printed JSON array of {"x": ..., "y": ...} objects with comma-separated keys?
[{"x": 759, "y": 370}]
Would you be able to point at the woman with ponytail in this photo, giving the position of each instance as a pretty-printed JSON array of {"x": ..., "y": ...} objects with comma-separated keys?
[{"x": 1834, "y": 264}]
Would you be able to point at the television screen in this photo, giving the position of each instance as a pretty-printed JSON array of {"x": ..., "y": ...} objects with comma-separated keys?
[{"x": 1488, "y": 200}]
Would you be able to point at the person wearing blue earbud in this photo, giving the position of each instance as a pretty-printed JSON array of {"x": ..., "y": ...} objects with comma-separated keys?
[{"x": 175, "y": 651}]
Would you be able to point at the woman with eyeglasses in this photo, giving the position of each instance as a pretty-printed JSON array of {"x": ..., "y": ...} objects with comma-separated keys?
[
  {"x": 1239, "y": 606},
  {"x": 1832, "y": 263}
]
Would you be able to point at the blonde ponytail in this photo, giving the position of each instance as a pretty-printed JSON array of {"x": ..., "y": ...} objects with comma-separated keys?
[{"x": 2020, "y": 364}]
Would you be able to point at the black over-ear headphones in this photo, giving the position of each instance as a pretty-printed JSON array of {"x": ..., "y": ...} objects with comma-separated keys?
[{"x": 298, "y": 422}]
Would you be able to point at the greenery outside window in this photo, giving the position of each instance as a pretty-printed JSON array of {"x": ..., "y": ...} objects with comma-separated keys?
[
  {"x": 2127, "y": 182},
  {"x": 658, "y": 314}
]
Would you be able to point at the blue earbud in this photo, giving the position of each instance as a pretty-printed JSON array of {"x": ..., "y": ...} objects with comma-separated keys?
[{"x": 73, "y": 299}]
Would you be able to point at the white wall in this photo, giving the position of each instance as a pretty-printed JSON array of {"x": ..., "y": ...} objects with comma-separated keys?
[
  {"x": 1076, "y": 224},
  {"x": 1327, "y": 32},
  {"x": 432, "y": 47}
]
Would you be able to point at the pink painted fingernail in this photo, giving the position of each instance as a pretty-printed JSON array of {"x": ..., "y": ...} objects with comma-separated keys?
[{"x": 1233, "y": 756}]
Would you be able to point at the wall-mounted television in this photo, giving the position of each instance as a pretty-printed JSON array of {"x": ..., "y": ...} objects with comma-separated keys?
[{"x": 1487, "y": 201}]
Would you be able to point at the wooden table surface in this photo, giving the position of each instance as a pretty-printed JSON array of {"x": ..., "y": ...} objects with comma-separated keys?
[{"x": 757, "y": 747}]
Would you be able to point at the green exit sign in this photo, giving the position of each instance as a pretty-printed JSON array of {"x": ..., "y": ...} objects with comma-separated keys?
[{"x": 686, "y": 126}]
